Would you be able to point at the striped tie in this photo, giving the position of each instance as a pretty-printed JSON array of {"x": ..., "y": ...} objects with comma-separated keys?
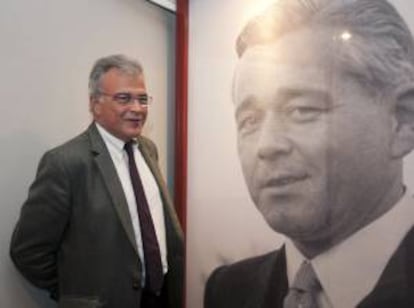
[{"x": 303, "y": 292}]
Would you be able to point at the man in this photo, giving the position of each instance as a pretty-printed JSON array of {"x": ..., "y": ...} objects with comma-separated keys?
[
  {"x": 83, "y": 230},
  {"x": 324, "y": 100}
]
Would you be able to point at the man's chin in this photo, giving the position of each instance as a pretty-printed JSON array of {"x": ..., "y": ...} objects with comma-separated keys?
[
  {"x": 134, "y": 133},
  {"x": 292, "y": 226}
]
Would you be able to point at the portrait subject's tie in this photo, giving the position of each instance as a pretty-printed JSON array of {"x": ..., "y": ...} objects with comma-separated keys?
[
  {"x": 303, "y": 292},
  {"x": 153, "y": 267}
]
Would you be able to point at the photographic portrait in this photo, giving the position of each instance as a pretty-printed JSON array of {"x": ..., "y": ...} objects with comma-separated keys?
[{"x": 306, "y": 107}]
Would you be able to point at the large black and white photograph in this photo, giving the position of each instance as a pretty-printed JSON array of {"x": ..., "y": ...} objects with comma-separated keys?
[{"x": 315, "y": 102}]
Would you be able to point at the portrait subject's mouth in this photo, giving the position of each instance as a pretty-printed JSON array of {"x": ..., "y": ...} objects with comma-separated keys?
[{"x": 284, "y": 180}]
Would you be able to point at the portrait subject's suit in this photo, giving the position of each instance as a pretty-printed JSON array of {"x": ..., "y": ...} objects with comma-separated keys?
[
  {"x": 261, "y": 282},
  {"x": 84, "y": 251}
]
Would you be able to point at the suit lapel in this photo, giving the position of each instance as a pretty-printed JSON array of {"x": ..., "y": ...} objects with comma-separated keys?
[
  {"x": 173, "y": 230},
  {"x": 396, "y": 284},
  {"x": 169, "y": 212},
  {"x": 277, "y": 283},
  {"x": 270, "y": 280},
  {"x": 112, "y": 182}
]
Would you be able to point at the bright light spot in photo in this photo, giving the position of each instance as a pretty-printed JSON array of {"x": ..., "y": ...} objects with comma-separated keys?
[{"x": 346, "y": 36}]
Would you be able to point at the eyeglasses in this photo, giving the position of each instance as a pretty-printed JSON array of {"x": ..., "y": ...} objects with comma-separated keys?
[{"x": 127, "y": 98}]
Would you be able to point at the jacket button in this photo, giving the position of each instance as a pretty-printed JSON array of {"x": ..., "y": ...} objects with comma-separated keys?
[{"x": 136, "y": 285}]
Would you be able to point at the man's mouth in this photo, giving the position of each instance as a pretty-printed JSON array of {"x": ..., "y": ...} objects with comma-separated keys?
[
  {"x": 137, "y": 120},
  {"x": 285, "y": 180}
]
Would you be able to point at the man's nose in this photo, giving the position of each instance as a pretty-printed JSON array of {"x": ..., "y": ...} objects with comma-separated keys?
[{"x": 274, "y": 138}]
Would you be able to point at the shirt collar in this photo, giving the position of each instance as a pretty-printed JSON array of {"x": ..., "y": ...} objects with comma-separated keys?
[
  {"x": 348, "y": 271},
  {"x": 116, "y": 144}
]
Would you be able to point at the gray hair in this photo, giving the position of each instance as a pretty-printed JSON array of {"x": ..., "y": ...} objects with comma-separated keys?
[
  {"x": 123, "y": 63},
  {"x": 380, "y": 52}
]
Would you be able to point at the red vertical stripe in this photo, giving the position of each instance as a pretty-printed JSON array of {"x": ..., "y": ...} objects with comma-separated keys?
[{"x": 181, "y": 107}]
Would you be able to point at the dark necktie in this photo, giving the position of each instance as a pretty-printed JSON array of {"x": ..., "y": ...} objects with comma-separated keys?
[
  {"x": 303, "y": 292},
  {"x": 153, "y": 267}
]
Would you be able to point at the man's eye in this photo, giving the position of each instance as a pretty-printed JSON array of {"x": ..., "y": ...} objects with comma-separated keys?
[
  {"x": 122, "y": 98},
  {"x": 143, "y": 99},
  {"x": 248, "y": 122},
  {"x": 305, "y": 113}
]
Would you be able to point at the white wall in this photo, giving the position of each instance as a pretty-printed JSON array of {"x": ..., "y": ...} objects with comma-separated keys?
[
  {"x": 47, "y": 50},
  {"x": 223, "y": 224}
]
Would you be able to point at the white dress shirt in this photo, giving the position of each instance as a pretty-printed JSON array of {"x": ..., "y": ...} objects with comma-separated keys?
[
  {"x": 119, "y": 157},
  {"x": 350, "y": 270}
]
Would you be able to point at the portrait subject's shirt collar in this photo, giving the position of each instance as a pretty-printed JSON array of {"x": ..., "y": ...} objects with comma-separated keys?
[{"x": 350, "y": 270}]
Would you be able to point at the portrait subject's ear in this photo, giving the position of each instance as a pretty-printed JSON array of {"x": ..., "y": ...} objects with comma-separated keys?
[{"x": 403, "y": 142}]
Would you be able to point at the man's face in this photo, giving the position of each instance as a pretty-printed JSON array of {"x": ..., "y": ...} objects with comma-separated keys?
[
  {"x": 314, "y": 144},
  {"x": 124, "y": 121}
]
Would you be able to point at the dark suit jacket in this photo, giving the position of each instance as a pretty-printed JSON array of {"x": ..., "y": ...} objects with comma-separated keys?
[
  {"x": 75, "y": 237},
  {"x": 261, "y": 282}
]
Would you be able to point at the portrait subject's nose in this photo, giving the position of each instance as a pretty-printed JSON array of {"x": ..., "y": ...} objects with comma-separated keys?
[{"x": 273, "y": 140}]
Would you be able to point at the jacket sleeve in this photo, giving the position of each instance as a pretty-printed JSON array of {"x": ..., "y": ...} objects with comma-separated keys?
[{"x": 43, "y": 218}]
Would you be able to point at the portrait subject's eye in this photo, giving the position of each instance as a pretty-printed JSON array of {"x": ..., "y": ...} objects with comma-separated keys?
[
  {"x": 305, "y": 113},
  {"x": 305, "y": 105},
  {"x": 248, "y": 121}
]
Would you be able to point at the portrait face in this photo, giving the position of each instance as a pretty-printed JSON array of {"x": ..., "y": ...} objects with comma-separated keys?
[
  {"x": 123, "y": 120},
  {"x": 314, "y": 143}
]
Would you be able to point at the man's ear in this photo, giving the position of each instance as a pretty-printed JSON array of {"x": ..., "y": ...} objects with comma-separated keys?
[
  {"x": 403, "y": 142},
  {"x": 92, "y": 103}
]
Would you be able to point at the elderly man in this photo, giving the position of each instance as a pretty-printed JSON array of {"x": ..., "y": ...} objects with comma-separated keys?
[
  {"x": 98, "y": 228},
  {"x": 324, "y": 100}
]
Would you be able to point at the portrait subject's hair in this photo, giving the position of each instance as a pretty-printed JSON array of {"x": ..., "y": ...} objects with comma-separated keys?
[
  {"x": 370, "y": 39},
  {"x": 124, "y": 64}
]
